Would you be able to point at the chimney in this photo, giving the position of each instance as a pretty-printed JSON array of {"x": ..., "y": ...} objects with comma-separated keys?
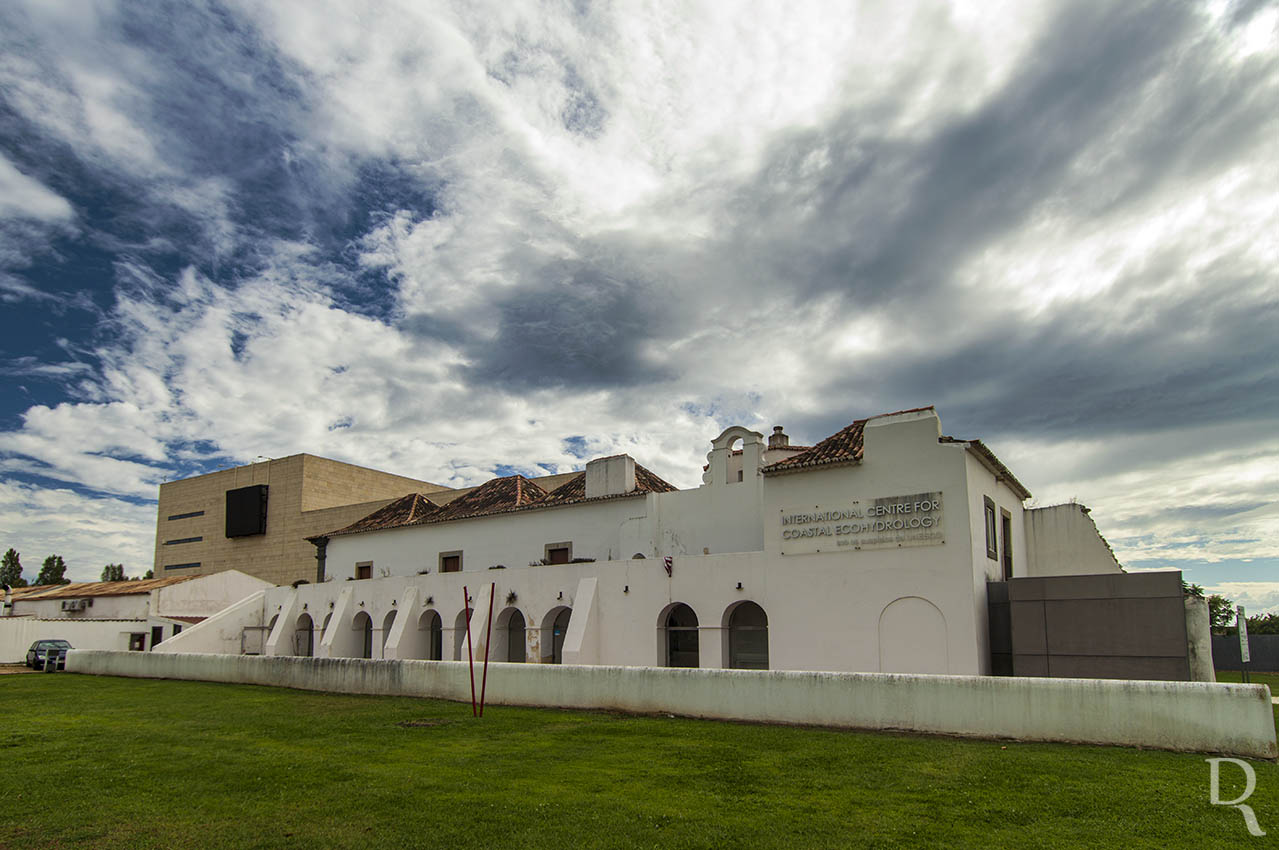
[
  {"x": 610, "y": 476},
  {"x": 778, "y": 439}
]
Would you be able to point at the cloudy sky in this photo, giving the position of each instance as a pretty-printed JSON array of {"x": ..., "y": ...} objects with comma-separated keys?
[{"x": 459, "y": 240}]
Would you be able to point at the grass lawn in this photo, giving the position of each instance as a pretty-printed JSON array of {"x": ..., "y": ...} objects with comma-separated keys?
[
  {"x": 1271, "y": 679},
  {"x": 105, "y": 762}
]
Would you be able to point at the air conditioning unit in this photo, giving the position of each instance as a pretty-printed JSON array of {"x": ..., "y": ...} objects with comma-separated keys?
[{"x": 74, "y": 604}]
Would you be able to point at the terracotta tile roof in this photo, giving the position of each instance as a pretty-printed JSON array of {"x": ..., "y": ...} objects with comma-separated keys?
[
  {"x": 574, "y": 490},
  {"x": 95, "y": 588},
  {"x": 413, "y": 509},
  {"x": 650, "y": 482},
  {"x": 496, "y": 496},
  {"x": 845, "y": 446},
  {"x": 842, "y": 447},
  {"x": 183, "y": 619},
  {"x": 1002, "y": 472}
]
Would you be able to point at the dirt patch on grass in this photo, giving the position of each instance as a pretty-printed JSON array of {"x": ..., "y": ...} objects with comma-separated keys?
[
  {"x": 15, "y": 668},
  {"x": 423, "y": 724}
]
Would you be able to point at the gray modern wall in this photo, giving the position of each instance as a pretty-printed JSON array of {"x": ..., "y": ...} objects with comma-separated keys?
[
  {"x": 1263, "y": 650},
  {"x": 1112, "y": 626}
]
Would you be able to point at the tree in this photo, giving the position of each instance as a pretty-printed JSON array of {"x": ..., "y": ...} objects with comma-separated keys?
[
  {"x": 11, "y": 570},
  {"x": 53, "y": 571},
  {"x": 113, "y": 572},
  {"x": 149, "y": 574},
  {"x": 1221, "y": 612},
  {"x": 1265, "y": 624}
]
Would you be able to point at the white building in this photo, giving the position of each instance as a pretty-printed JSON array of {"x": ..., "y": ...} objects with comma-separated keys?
[
  {"x": 867, "y": 552},
  {"x": 135, "y": 615}
]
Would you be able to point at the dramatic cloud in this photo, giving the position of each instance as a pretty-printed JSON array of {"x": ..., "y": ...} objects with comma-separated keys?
[{"x": 452, "y": 240}]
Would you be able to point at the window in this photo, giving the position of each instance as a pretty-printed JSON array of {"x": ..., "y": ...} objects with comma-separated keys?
[
  {"x": 451, "y": 562},
  {"x": 183, "y": 540},
  {"x": 682, "y": 649},
  {"x": 186, "y": 515},
  {"x": 1006, "y": 542},
  {"x": 991, "y": 551},
  {"x": 364, "y": 569},
  {"x": 177, "y": 630},
  {"x": 190, "y": 566},
  {"x": 558, "y": 553},
  {"x": 748, "y": 637}
]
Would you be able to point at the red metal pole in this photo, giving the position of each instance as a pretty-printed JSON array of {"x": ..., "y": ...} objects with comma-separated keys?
[
  {"x": 488, "y": 632},
  {"x": 466, "y": 601}
]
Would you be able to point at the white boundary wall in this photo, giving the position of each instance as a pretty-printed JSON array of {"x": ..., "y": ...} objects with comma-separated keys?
[
  {"x": 18, "y": 633},
  {"x": 1188, "y": 716}
]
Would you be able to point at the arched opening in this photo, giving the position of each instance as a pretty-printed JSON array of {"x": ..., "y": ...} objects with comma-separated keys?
[
  {"x": 363, "y": 624},
  {"x": 430, "y": 636},
  {"x": 554, "y": 630},
  {"x": 912, "y": 637},
  {"x": 735, "y": 457},
  {"x": 304, "y": 636},
  {"x": 387, "y": 622},
  {"x": 682, "y": 647},
  {"x": 747, "y": 637},
  {"x": 515, "y": 636},
  {"x": 459, "y": 634}
]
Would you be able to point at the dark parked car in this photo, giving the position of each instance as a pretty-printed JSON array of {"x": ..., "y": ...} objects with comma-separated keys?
[{"x": 41, "y": 648}]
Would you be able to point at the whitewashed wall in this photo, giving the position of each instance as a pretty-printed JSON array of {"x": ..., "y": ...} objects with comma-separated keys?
[
  {"x": 127, "y": 607},
  {"x": 206, "y": 595},
  {"x": 18, "y": 633},
  {"x": 512, "y": 540},
  {"x": 1064, "y": 540}
]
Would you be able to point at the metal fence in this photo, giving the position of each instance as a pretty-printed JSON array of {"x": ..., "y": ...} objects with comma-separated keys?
[{"x": 1264, "y": 650}]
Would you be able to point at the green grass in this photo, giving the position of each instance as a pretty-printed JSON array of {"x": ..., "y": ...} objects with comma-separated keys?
[
  {"x": 1271, "y": 679},
  {"x": 105, "y": 762}
]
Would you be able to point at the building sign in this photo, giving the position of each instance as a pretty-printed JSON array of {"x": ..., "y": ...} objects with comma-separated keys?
[
  {"x": 1242, "y": 623},
  {"x": 889, "y": 523}
]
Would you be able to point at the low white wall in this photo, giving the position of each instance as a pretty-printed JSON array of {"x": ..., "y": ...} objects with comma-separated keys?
[
  {"x": 1191, "y": 716},
  {"x": 18, "y": 633}
]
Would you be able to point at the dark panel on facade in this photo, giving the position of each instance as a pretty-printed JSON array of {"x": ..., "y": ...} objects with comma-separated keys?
[
  {"x": 246, "y": 511},
  {"x": 1001, "y": 634},
  {"x": 1113, "y": 626}
]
